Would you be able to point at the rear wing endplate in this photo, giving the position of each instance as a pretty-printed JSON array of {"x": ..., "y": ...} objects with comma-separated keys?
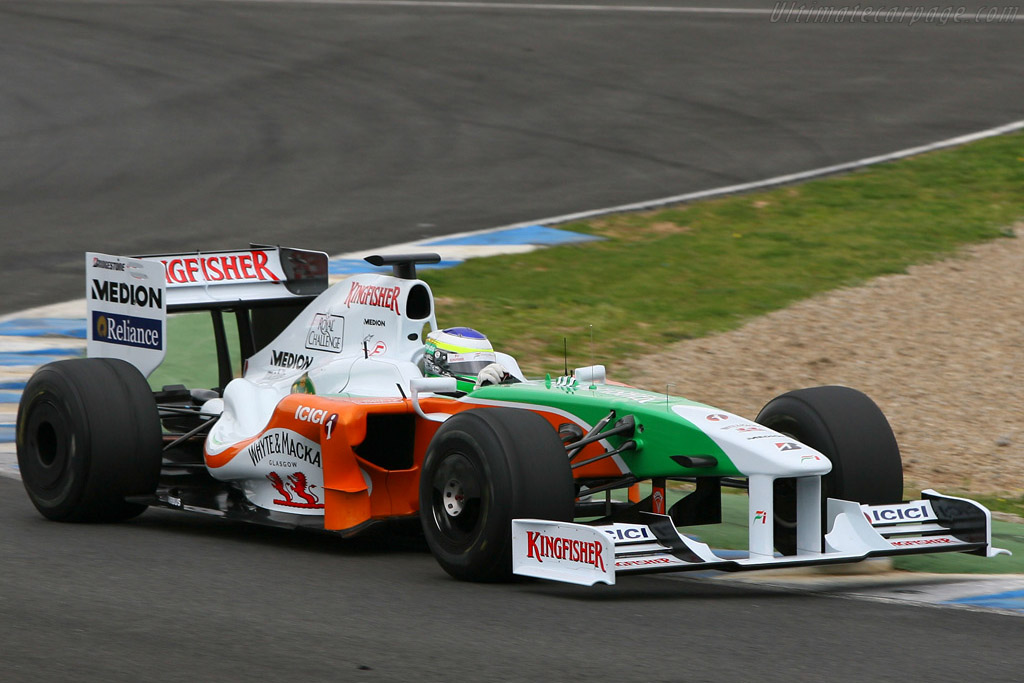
[{"x": 126, "y": 310}]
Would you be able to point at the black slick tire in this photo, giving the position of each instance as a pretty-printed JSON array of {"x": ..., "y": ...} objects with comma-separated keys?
[
  {"x": 848, "y": 428},
  {"x": 88, "y": 435},
  {"x": 484, "y": 468}
]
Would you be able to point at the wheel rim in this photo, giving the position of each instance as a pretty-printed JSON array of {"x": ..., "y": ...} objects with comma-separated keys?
[
  {"x": 457, "y": 498},
  {"x": 453, "y": 498},
  {"x": 48, "y": 446}
]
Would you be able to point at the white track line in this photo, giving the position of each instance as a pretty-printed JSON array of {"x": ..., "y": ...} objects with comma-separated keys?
[
  {"x": 530, "y": 6},
  {"x": 742, "y": 187},
  {"x": 786, "y": 12},
  {"x": 789, "y": 178}
]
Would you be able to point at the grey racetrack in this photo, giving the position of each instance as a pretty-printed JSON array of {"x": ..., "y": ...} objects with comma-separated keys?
[
  {"x": 171, "y": 597},
  {"x": 135, "y": 127}
]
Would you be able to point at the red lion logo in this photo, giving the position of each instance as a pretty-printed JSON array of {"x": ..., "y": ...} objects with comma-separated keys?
[{"x": 300, "y": 486}]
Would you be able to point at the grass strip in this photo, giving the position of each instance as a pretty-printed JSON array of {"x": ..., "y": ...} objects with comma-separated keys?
[
  {"x": 687, "y": 271},
  {"x": 191, "y": 355}
]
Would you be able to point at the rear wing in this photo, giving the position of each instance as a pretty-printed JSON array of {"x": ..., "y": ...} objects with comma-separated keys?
[
  {"x": 128, "y": 299},
  {"x": 200, "y": 281}
]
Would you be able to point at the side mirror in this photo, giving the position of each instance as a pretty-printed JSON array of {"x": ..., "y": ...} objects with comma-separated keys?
[
  {"x": 431, "y": 385},
  {"x": 595, "y": 374}
]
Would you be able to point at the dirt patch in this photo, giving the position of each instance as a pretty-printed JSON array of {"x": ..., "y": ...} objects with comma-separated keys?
[
  {"x": 627, "y": 231},
  {"x": 940, "y": 349}
]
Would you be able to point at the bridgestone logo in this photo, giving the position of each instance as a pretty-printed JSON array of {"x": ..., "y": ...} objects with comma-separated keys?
[
  {"x": 287, "y": 359},
  {"x": 123, "y": 293},
  {"x": 108, "y": 265},
  {"x": 539, "y": 546}
]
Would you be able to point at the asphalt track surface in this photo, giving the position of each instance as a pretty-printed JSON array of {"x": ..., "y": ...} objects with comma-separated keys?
[
  {"x": 173, "y": 597},
  {"x": 142, "y": 127},
  {"x": 138, "y": 127}
]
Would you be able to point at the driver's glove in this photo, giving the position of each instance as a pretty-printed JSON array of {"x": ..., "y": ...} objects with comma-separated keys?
[{"x": 495, "y": 373}]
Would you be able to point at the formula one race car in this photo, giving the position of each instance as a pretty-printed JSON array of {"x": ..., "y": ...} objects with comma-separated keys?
[{"x": 336, "y": 423}]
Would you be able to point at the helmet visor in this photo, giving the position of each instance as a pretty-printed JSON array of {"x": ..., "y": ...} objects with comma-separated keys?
[
  {"x": 441, "y": 362},
  {"x": 468, "y": 367}
]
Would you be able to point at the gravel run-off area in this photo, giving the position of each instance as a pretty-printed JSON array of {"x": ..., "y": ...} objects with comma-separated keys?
[{"x": 940, "y": 349}]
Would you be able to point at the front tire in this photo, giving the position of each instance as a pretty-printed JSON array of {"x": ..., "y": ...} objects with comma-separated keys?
[
  {"x": 483, "y": 469},
  {"x": 88, "y": 435},
  {"x": 848, "y": 428}
]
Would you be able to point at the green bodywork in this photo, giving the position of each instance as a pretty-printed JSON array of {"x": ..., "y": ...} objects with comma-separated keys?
[{"x": 660, "y": 432}]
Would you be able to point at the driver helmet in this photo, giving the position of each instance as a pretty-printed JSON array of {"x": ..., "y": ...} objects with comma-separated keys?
[{"x": 459, "y": 352}]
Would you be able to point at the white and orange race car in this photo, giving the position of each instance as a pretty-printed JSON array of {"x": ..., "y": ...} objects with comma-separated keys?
[{"x": 329, "y": 421}]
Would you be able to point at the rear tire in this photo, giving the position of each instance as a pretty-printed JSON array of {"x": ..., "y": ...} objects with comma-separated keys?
[
  {"x": 483, "y": 469},
  {"x": 848, "y": 428},
  {"x": 88, "y": 435}
]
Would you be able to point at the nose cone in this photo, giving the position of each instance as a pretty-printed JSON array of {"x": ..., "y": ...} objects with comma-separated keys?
[{"x": 754, "y": 448}]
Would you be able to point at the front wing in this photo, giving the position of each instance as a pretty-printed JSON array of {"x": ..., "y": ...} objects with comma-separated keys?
[{"x": 585, "y": 554}]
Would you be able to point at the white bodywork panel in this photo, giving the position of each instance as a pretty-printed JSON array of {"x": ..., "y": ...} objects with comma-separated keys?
[
  {"x": 126, "y": 306},
  {"x": 754, "y": 448},
  {"x": 364, "y": 318}
]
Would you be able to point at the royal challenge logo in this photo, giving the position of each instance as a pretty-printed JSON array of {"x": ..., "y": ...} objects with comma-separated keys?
[{"x": 128, "y": 330}]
